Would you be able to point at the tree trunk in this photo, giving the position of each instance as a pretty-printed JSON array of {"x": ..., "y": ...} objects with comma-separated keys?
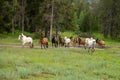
[
  {"x": 13, "y": 29},
  {"x": 23, "y": 14},
  {"x": 22, "y": 23},
  {"x": 51, "y": 21}
]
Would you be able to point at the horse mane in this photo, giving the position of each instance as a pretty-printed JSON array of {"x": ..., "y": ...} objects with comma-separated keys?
[
  {"x": 22, "y": 34},
  {"x": 79, "y": 39}
]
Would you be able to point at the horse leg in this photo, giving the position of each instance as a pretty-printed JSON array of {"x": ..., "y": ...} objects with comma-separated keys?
[
  {"x": 79, "y": 44},
  {"x": 65, "y": 45},
  {"x": 68, "y": 44},
  {"x": 44, "y": 46},
  {"x": 31, "y": 45},
  {"x": 41, "y": 45},
  {"x": 103, "y": 46},
  {"x": 85, "y": 46},
  {"x": 47, "y": 45},
  {"x": 56, "y": 44},
  {"x": 89, "y": 50},
  {"x": 23, "y": 45},
  {"x": 93, "y": 49}
]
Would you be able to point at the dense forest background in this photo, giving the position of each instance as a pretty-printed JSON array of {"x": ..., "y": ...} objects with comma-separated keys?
[{"x": 48, "y": 16}]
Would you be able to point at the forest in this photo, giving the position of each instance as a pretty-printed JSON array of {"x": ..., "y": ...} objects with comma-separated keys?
[{"x": 50, "y": 16}]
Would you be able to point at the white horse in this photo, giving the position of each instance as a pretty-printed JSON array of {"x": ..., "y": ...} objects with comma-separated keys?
[
  {"x": 26, "y": 40},
  {"x": 67, "y": 41},
  {"x": 90, "y": 43}
]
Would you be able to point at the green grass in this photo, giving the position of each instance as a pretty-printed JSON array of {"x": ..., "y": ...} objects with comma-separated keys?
[
  {"x": 69, "y": 34},
  {"x": 15, "y": 40},
  {"x": 59, "y": 64}
]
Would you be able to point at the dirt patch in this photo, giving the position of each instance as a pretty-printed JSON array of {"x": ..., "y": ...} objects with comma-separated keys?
[
  {"x": 38, "y": 46},
  {"x": 47, "y": 75},
  {"x": 44, "y": 75}
]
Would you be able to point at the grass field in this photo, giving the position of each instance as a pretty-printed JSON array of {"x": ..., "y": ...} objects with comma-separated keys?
[{"x": 59, "y": 64}]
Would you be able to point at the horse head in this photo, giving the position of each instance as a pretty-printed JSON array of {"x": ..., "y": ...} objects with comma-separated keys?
[
  {"x": 22, "y": 34},
  {"x": 97, "y": 40},
  {"x": 20, "y": 37},
  {"x": 79, "y": 39}
]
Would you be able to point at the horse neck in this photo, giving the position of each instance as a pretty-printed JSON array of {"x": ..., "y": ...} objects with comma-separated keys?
[
  {"x": 79, "y": 39},
  {"x": 24, "y": 37},
  {"x": 19, "y": 37},
  {"x": 97, "y": 41}
]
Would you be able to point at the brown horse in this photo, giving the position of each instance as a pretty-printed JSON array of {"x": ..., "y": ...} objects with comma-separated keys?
[
  {"x": 44, "y": 42},
  {"x": 61, "y": 41},
  {"x": 81, "y": 42},
  {"x": 55, "y": 41},
  {"x": 101, "y": 43},
  {"x": 75, "y": 42}
]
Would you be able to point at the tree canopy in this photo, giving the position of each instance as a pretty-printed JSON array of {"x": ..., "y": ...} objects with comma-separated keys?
[{"x": 76, "y": 15}]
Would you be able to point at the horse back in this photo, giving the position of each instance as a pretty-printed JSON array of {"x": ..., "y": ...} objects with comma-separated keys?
[
  {"x": 55, "y": 40},
  {"x": 44, "y": 40},
  {"x": 101, "y": 42},
  {"x": 27, "y": 39},
  {"x": 82, "y": 42}
]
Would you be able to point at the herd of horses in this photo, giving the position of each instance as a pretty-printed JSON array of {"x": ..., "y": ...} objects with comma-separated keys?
[{"x": 87, "y": 43}]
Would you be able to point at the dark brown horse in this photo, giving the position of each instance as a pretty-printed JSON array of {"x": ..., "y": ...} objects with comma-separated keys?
[
  {"x": 55, "y": 41},
  {"x": 44, "y": 42}
]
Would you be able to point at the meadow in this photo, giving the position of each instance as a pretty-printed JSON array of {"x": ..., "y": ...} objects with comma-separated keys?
[
  {"x": 17, "y": 63},
  {"x": 59, "y": 64}
]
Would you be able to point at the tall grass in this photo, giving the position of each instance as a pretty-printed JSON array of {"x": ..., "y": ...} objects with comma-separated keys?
[{"x": 59, "y": 64}]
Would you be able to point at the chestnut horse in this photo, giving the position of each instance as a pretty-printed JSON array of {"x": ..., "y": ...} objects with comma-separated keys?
[
  {"x": 81, "y": 42},
  {"x": 101, "y": 43},
  {"x": 44, "y": 42}
]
